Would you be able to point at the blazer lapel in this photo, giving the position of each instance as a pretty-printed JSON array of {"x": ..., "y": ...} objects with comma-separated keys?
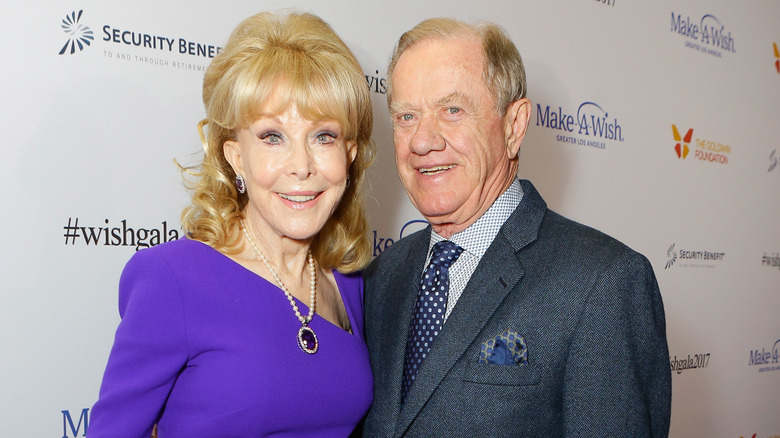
[{"x": 497, "y": 274}]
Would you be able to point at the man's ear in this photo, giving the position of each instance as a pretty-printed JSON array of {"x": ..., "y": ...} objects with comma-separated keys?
[
  {"x": 516, "y": 119},
  {"x": 232, "y": 152}
]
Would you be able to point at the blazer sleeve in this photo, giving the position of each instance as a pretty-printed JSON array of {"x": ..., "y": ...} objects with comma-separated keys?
[
  {"x": 150, "y": 348},
  {"x": 617, "y": 378}
]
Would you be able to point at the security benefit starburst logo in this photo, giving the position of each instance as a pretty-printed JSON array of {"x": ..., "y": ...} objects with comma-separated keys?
[
  {"x": 682, "y": 142},
  {"x": 671, "y": 257},
  {"x": 79, "y": 35}
]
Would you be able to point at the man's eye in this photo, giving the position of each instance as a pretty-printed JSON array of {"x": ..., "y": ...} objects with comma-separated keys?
[
  {"x": 453, "y": 110},
  {"x": 406, "y": 117}
]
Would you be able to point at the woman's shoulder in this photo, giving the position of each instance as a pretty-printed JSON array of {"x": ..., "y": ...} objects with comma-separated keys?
[
  {"x": 181, "y": 249},
  {"x": 179, "y": 255}
]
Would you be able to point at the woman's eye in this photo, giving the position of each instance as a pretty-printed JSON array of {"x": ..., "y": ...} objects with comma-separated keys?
[
  {"x": 271, "y": 138},
  {"x": 326, "y": 137}
]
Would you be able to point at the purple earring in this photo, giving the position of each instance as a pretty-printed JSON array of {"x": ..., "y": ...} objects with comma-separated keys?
[{"x": 240, "y": 184}]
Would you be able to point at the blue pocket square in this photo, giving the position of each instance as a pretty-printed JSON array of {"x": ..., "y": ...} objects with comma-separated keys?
[{"x": 508, "y": 348}]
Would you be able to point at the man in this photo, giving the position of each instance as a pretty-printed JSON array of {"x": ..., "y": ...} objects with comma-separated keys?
[{"x": 524, "y": 323}]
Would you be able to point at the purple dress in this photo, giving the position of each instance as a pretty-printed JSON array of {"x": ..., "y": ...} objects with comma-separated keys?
[{"x": 207, "y": 348}]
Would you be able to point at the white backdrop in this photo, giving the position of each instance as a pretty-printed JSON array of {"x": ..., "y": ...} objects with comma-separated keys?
[{"x": 90, "y": 137}]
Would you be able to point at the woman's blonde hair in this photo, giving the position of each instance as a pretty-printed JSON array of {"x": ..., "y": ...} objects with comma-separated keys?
[{"x": 296, "y": 58}]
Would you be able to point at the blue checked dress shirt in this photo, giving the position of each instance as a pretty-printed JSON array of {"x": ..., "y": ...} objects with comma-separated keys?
[{"x": 476, "y": 239}]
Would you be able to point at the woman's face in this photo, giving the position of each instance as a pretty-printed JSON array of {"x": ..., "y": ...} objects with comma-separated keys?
[{"x": 295, "y": 171}]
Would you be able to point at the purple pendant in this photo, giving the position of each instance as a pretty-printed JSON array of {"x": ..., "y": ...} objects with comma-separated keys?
[{"x": 307, "y": 340}]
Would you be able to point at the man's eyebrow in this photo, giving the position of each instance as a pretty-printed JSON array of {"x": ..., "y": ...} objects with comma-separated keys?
[
  {"x": 398, "y": 107},
  {"x": 452, "y": 98}
]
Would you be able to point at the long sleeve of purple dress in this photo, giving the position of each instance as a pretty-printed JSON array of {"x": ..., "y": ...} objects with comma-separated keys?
[{"x": 207, "y": 348}]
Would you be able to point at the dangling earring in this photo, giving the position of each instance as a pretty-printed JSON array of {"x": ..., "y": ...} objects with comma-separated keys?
[
  {"x": 240, "y": 184},
  {"x": 348, "y": 181}
]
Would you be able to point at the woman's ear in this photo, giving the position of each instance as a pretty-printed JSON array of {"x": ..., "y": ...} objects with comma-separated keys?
[{"x": 232, "y": 151}]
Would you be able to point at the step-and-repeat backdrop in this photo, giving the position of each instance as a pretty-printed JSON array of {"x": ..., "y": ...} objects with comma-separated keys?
[{"x": 656, "y": 122}]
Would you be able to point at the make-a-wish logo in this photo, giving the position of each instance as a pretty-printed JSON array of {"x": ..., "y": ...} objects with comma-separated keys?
[
  {"x": 79, "y": 35},
  {"x": 705, "y": 150},
  {"x": 682, "y": 143},
  {"x": 688, "y": 258},
  {"x": 382, "y": 243},
  {"x": 767, "y": 359},
  {"x": 590, "y": 126},
  {"x": 708, "y": 36}
]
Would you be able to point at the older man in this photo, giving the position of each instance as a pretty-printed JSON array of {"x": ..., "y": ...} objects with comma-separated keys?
[{"x": 502, "y": 318}]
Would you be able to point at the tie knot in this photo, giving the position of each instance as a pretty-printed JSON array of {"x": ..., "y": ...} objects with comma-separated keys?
[{"x": 445, "y": 253}]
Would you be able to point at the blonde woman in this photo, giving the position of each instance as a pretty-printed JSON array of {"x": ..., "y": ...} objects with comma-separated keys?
[{"x": 252, "y": 325}]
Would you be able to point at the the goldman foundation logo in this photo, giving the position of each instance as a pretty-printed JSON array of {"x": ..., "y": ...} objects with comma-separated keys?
[
  {"x": 704, "y": 150},
  {"x": 777, "y": 57},
  {"x": 79, "y": 35},
  {"x": 682, "y": 142}
]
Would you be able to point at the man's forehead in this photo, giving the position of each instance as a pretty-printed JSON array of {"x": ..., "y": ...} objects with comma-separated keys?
[{"x": 454, "y": 97}]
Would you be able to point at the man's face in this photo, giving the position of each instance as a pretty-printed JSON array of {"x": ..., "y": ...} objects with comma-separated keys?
[{"x": 450, "y": 142}]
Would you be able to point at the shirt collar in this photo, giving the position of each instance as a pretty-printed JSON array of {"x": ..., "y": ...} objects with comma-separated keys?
[{"x": 478, "y": 236}]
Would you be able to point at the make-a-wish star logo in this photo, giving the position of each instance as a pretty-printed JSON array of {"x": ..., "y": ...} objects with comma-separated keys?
[
  {"x": 79, "y": 35},
  {"x": 682, "y": 142},
  {"x": 671, "y": 257}
]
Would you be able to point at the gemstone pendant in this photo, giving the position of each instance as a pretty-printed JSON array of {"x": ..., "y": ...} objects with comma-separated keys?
[{"x": 307, "y": 340}]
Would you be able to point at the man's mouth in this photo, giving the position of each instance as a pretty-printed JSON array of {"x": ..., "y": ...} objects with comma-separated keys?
[{"x": 435, "y": 170}]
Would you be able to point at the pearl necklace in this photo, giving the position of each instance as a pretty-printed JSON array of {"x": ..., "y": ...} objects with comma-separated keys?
[{"x": 307, "y": 339}]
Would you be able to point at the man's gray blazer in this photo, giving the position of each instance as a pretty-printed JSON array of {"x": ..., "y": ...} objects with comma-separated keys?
[{"x": 587, "y": 306}]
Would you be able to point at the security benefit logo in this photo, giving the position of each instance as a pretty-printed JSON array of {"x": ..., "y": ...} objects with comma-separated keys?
[
  {"x": 765, "y": 359},
  {"x": 704, "y": 150},
  {"x": 707, "y": 34},
  {"x": 589, "y": 126},
  {"x": 122, "y": 44},
  {"x": 684, "y": 257},
  {"x": 79, "y": 35}
]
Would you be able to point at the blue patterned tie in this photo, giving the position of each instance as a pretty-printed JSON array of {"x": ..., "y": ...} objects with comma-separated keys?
[{"x": 429, "y": 310}]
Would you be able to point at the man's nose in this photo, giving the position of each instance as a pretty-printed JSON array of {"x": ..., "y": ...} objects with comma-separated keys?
[{"x": 427, "y": 137}]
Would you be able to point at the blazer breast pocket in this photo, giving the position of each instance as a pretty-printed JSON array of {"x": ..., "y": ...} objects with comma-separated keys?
[{"x": 503, "y": 375}]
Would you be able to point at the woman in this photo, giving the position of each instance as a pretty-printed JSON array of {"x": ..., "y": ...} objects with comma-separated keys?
[{"x": 219, "y": 335}]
